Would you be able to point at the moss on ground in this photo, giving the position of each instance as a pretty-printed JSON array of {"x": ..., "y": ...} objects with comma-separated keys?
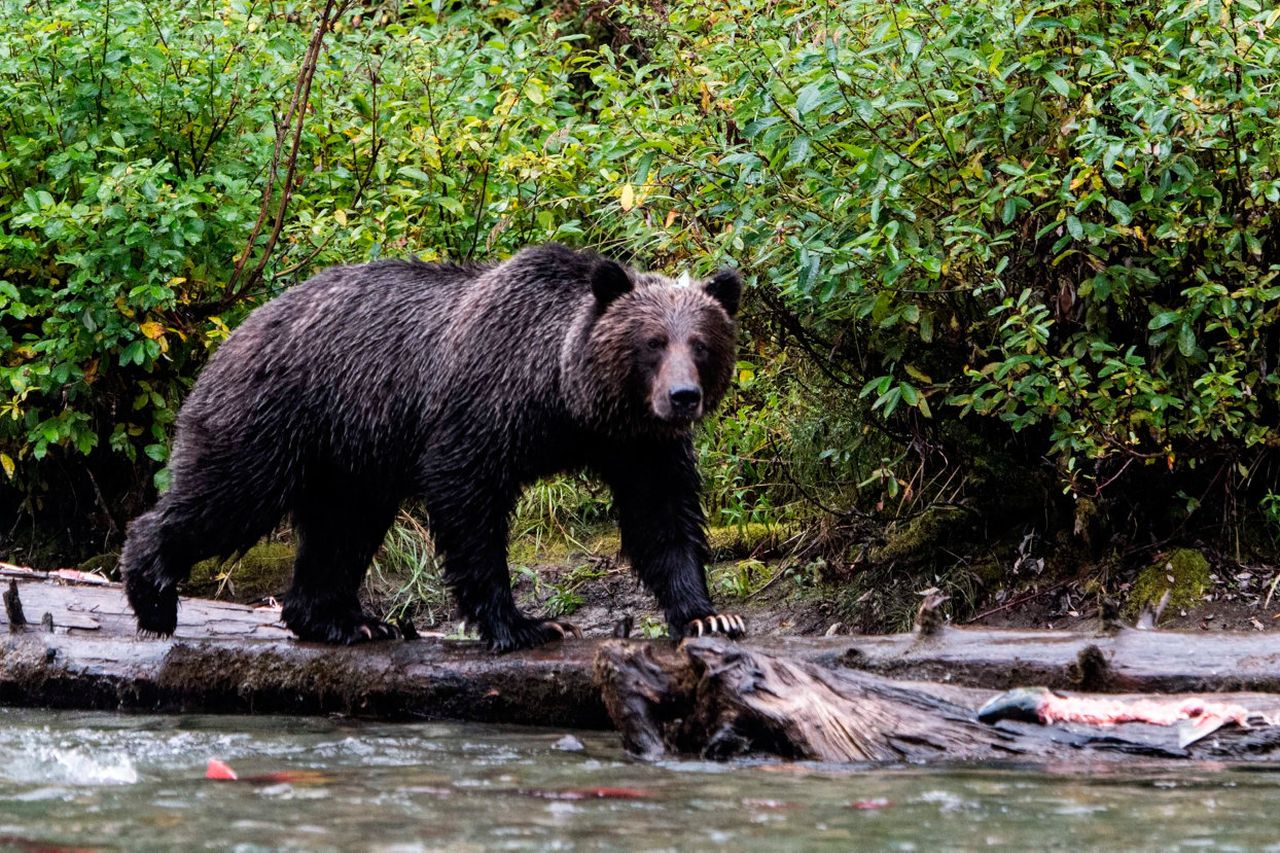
[
  {"x": 103, "y": 564},
  {"x": 1184, "y": 574},
  {"x": 739, "y": 542},
  {"x": 265, "y": 569},
  {"x": 913, "y": 540},
  {"x": 731, "y": 542}
]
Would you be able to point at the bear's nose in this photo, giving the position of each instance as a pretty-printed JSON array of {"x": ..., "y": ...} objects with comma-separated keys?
[{"x": 686, "y": 396}]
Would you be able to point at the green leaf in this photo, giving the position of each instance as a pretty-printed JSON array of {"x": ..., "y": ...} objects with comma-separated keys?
[
  {"x": 1057, "y": 83},
  {"x": 415, "y": 173},
  {"x": 451, "y": 204},
  {"x": 798, "y": 151},
  {"x": 808, "y": 98},
  {"x": 926, "y": 327},
  {"x": 1009, "y": 210},
  {"x": 1187, "y": 340},
  {"x": 1120, "y": 211}
]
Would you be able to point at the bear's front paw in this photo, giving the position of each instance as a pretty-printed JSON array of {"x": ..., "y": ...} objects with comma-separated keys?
[
  {"x": 730, "y": 625},
  {"x": 346, "y": 629},
  {"x": 531, "y": 633}
]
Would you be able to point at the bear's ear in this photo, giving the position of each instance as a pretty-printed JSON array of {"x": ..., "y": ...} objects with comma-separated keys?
[
  {"x": 726, "y": 288},
  {"x": 609, "y": 281}
]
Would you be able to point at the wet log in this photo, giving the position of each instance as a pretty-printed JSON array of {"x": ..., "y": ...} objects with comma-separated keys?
[
  {"x": 719, "y": 699},
  {"x": 232, "y": 658},
  {"x": 1117, "y": 661},
  {"x": 78, "y": 649}
]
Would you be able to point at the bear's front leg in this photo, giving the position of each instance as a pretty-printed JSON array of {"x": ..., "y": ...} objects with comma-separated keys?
[
  {"x": 474, "y": 541},
  {"x": 656, "y": 490},
  {"x": 338, "y": 534}
]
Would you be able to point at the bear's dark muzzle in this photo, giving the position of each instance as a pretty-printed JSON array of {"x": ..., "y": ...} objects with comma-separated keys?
[{"x": 686, "y": 402}]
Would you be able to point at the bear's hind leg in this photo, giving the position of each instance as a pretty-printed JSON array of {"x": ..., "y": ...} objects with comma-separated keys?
[
  {"x": 184, "y": 527},
  {"x": 337, "y": 538},
  {"x": 152, "y": 570}
]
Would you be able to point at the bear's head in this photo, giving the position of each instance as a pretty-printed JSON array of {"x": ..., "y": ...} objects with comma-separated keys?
[{"x": 657, "y": 354}]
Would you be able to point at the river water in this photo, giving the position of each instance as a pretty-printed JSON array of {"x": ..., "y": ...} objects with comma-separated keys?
[{"x": 134, "y": 782}]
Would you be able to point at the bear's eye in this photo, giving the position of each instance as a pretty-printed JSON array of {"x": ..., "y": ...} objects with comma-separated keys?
[
  {"x": 699, "y": 348},
  {"x": 655, "y": 344}
]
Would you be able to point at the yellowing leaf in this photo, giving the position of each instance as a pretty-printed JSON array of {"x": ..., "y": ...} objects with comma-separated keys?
[
  {"x": 918, "y": 374},
  {"x": 671, "y": 217},
  {"x": 341, "y": 216},
  {"x": 628, "y": 199},
  {"x": 6, "y": 462},
  {"x": 152, "y": 330}
]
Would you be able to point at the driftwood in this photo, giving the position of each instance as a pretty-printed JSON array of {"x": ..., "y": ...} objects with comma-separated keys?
[
  {"x": 911, "y": 696},
  {"x": 718, "y": 699}
]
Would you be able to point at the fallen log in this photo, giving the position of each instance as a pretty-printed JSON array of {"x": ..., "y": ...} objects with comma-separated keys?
[
  {"x": 1117, "y": 661},
  {"x": 718, "y": 699},
  {"x": 78, "y": 648},
  {"x": 232, "y": 658}
]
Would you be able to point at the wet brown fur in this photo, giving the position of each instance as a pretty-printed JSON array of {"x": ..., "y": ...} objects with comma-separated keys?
[{"x": 458, "y": 386}]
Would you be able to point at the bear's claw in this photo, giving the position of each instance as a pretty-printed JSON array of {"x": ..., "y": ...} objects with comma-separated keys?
[
  {"x": 347, "y": 629},
  {"x": 534, "y": 633},
  {"x": 565, "y": 628},
  {"x": 372, "y": 630},
  {"x": 729, "y": 624}
]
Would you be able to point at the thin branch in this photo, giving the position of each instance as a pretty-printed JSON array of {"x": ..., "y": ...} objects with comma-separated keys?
[{"x": 295, "y": 117}]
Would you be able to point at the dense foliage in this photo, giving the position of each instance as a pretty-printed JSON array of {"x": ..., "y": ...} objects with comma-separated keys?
[
  {"x": 1059, "y": 215},
  {"x": 1050, "y": 226},
  {"x": 136, "y": 147}
]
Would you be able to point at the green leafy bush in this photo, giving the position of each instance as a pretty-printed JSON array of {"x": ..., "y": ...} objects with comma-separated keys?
[
  {"x": 1045, "y": 228},
  {"x": 136, "y": 147},
  {"x": 126, "y": 166},
  {"x": 1060, "y": 217}
]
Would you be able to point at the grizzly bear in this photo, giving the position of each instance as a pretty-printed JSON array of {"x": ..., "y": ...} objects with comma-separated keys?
[{"x": 459, "y": 386}]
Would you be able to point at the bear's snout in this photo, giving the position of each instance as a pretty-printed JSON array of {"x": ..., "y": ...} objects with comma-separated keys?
[
  {"x": 680, "y": 403},
  {"x": 686, "y": 401},
  {"x": 676, "y": 391}
]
